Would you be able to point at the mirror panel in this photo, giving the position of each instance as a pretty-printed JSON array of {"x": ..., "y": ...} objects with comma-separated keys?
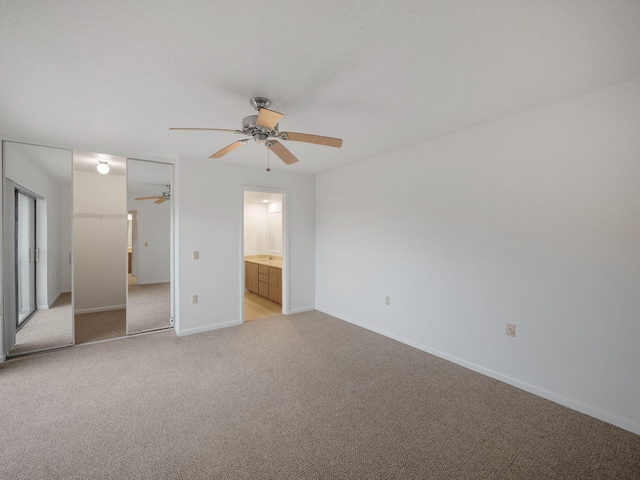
[
  {"x": 149, "y": 276},
  {"x": 37, "y": 212},
  {"x": 100, "y": 247}
]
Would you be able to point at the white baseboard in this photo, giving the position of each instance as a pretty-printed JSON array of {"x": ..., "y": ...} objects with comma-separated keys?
[
  {"x": 208, "y": 328},
  {"x": 151, "y": 282},
  {"x": 47, "y": 307},
  {"x": 100, "y": 309},
  {"x": 624, "y": 423},
  {"x": 300, "y": 310}
]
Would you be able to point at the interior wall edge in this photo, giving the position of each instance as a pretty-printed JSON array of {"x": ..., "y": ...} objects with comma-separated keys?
[
  {"x": 207, "y": 328},
  {"x": 624, "y": 423},
  {"x": 302, "y": 309}
]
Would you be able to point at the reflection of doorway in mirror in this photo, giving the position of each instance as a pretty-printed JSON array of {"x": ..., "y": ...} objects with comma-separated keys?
[
  {"x": 132, "y": 275},
  {"x": 263, "y": 249},
  {"x": 36, "y": 228},
  {"x": 150, "y": 207}
]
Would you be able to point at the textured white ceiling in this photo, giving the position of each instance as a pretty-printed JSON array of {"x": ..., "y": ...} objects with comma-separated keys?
[
  {"x": 261, "y": 197},
  {"x": 112, "y": 77}
]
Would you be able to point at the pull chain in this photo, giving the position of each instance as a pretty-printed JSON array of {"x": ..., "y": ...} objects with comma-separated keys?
[{"x": 268, "y": 152}]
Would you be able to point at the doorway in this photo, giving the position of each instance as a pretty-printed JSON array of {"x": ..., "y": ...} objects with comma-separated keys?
[{"x": 264, "y": 249}]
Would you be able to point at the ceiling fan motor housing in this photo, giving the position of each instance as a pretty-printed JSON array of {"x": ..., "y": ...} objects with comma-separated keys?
[{"x": 249, "y": 127}]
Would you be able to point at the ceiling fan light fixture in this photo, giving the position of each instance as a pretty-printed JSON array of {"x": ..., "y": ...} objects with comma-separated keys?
[{"x": 103, "y": 167}]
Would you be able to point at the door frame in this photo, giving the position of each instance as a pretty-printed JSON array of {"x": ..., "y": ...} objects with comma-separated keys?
[
  {"x": 33, "y": 197},
  {"x": 285, "y": 244}
]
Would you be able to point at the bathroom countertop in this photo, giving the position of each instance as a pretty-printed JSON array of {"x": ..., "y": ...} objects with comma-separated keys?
[{"x": 268, "y": 260}]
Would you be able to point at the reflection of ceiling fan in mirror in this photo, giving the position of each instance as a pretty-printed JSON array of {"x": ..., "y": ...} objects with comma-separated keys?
[
  {"x": 159, "y": 198},
  {"x": 263, "y": 127}
]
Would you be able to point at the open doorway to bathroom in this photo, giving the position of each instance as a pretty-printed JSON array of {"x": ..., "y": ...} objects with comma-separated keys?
[{"x": 263, "y": 254}]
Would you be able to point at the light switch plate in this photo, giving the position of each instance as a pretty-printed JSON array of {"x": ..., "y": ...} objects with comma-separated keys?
[{"x": 196, "y": 254}]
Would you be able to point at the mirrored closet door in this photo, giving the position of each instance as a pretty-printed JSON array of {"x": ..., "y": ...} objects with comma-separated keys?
[
  {"x": 149, "y": 208},
  {"x": 36, "y": 224}
]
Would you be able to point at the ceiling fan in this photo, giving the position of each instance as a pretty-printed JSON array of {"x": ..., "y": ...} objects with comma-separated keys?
[
  {"x": 264, "y": 127},
  {"x": 159, "y": 198}
]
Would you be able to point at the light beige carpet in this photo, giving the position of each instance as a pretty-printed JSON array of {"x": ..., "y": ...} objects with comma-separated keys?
[
  {"x": 256, "y": 307},
  {"x": 91, "y": 327},
  {"x": 300, "y": 397},
  {"x": 148, "y": 307},
  {"x": 47, "y": 328}
]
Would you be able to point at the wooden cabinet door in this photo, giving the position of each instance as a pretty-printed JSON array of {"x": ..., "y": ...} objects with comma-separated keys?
[
  {"x": 251, "y": 276},
  {"x": 275, "y": 285},
  {"x": 263, "y": 289}
]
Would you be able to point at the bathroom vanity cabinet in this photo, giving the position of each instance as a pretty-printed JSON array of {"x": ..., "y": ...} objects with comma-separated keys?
[{"x": 264, "y": 279}]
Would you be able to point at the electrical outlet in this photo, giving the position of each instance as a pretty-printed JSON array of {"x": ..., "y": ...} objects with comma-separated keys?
[
  {"x": 387, "y": 300},
  {"x": 194, "y": 299},
  {"x": 196, "y": 254},
  {"x": 511, "y": 330}
]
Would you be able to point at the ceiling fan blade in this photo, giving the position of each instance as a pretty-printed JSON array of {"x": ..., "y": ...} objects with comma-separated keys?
[
  {"x": 160, "y": 200},
  {"x": 268, "y": 118},
  {"x": 280, "y": 150},
  {"x": 148, "y": 198},
  {"x": 208, "y": 129},
  {"x": 317, "y": 139},
  {"x": 230, "y": 148}
]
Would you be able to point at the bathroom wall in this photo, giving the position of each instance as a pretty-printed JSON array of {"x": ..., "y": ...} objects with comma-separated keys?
[
  {"x": 255, "y": 228},
  {"x": 257, "y": 218}
]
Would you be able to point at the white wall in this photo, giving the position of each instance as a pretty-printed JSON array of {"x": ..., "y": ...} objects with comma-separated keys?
[
  {"x": 209, "y": 219},
  {"x": 154, "y": 229},
  {"x": 100, "y": 245},
  {"x": 532, "y": 220},
  {"x": 66, "y": 222}
]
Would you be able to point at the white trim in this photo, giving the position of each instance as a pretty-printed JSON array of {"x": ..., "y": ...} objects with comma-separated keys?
[
  {"x": 207, "y": 328},
  {"x": 624, "y": 423},
  {"x": 100, "y": 309},
  {"x": 302, "y": 309}
]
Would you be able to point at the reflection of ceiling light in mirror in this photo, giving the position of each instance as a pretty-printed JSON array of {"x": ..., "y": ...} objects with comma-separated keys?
[
  {"x": 103, "y": 168},
  {"x": 265, "y": 201}
]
